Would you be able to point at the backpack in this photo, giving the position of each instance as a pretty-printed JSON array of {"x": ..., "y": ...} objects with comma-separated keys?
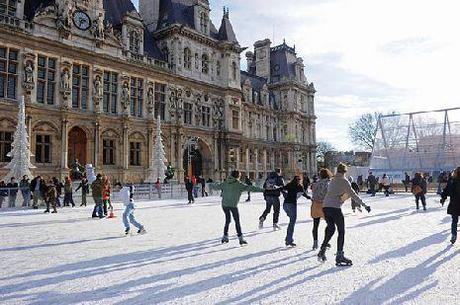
[{"x": 270, "y": 184}]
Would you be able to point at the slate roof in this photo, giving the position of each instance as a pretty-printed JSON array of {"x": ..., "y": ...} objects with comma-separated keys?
[
  {"x": 280, "y": 63},
  {"x": 257, "y": 82},
  {"x": 116, "y": 10},
  {"x": 226, "y": 32}
]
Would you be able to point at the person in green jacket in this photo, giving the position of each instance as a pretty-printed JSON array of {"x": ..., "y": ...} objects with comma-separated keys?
[{"x": 232, "y": 189}]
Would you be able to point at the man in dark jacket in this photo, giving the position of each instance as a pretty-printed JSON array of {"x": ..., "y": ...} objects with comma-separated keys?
[
  {"x": 372, "y": 182},
  {"x": 97, "y": 192},
  {"x": 189, "y": 188},
  {"x": 24, "y": 185},
  {"x": 452, "y": 190},
  {"x": 13, "y": 192},
  {"x": 419, "y": 189},
  {"x": 272, "y": 191},
  {"x": 37, "y": 187}
]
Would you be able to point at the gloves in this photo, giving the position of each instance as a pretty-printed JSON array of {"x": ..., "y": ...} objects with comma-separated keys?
[{"x": 368, "y": 208}]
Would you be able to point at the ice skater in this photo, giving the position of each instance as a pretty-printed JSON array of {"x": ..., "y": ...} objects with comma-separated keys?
[
  {"x": 292, "y": 191},
  {"x": 419, "y": 189},
  {"x": 68, "y": 196},
  {"x": 50, "y": 196},
  {"x": 126, "y": 195},
  {"x": 338, "y": 191},
  {"x": 452, "y": 190},
  {"x": 232, "y": 189},
  {"x": 319, "y": 190},
  {"x": 272, "y": 187}
]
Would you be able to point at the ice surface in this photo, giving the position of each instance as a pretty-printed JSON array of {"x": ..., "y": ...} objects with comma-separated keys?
[{"x": 400, "y": 257}]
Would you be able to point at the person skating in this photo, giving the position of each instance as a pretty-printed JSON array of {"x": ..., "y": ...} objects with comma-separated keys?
[
  {"x": 406, "y": 181},
  {"x": 106, "y": 205},
  {"x": 372, "y": 183},
  {"x": 452, "y": 190},
  {"x": 84, "y": 186},
  {"x": 24, "y": 186},
  {"x": 248, "y": 181},
  {"x": 386, "y": 185},
  {"x": 50, "y": 196},
  {"x": 338, "y": 191},
  {"x": 291, "y": 193},
  {"x": 354, "y": 205},
  {"x": 195, "y": 186},
  {"x": 12, "y": 192},
  {"x": 419, "y": 189},
  {"x": 68, "y": 193},
  {"x": 203, "y": 187},
  {"x": 189, "y": 188},
  {"x": 37, "y": 187},
  {"x": 232, "y": 189},
  {"x": 59, "y": 187},
  {"x": 126, "y": 195},
  {"x": 97, "y": 191},
  {"x": 3, "y": 192},
  {"x": 319, "y": 190},
  {"x": 272, "y": 187},
  {"x": 158, "y": 187}
]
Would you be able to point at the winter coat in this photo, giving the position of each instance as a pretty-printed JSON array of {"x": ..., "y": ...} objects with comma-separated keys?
[
  {"x": 106, "y": 191},
  {"x": 371, "y": 180},
  {"x": 273, "y": 185},
  {"x": 386, "y": 181},
  {"x": 452, "y": 190},
  {"x": 292, "y": 191},
  {"x": 41, "y": 187},
  {"x": 338, "y": 191},
  {"x": 13, "y": 188},
  {"x": 319, "y": 189},
  {"x": 68, "y": 188},
  {"x": 232, "y": 189},
  {"x": 97, "y": 188},
  {"x": 84, "y": 186},
  {"x": 50, "y": 193},
  {"x": 421, "y": 182},
  {"x": 24, "y": 185},
  {"x": 189, "y": 185}
]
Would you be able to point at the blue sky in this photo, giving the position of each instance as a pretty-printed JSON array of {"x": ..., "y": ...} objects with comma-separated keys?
[{"x": 362, "y": 55}]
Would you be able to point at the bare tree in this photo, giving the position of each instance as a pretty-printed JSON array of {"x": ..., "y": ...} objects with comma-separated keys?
[
  {"x": 322, "y": 149},
  {"x": 362, "y": 131}
]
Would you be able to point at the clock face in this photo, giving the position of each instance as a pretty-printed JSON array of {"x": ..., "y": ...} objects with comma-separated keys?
[{"x": 81, "y": 20}]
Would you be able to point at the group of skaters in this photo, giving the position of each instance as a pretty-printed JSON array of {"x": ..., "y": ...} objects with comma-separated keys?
[
  {"x": 193, "y": 185},
  {"x": 328, "y": 195},
  {"x": 329, "y": 192}
]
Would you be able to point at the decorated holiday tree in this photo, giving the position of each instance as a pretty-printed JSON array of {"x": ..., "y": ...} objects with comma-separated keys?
[
  {"x": 20, "y": 154},
  {"x": 159, "y": 161}
]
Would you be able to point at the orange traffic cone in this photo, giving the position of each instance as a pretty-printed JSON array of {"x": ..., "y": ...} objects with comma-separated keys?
[{"x": 111, "y": 214}]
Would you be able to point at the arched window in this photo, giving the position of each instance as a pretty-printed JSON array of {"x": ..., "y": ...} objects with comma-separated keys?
[
  {"x": 234, "y": 70},
  {"x": 218, "y": 68},
  {"x": 187, "y": 58},
  {"x": 204, "y": 22},
  {"x": 205, "y": 63},
  {"x": 134, "y": 42}
]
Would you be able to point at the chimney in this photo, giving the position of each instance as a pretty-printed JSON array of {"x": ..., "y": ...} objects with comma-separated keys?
[
  {"x": 150, "y": 12},
  {"x": 249, "y": 60}
]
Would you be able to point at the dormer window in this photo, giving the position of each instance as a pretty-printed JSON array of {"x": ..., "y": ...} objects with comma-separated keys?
[
  {"x": 204, "y": 22},
  {"x": 205, "y": 64},
  {"x": 134, "y": 42},
  {"x": 8, "y": 7},
  {"x": 187, "y": 59}
]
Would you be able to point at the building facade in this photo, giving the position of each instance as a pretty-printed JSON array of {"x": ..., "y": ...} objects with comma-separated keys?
[{"x": 97, "y": 74}]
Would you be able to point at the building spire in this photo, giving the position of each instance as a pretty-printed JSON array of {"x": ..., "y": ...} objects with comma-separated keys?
[{"x": 226, "y": 12}]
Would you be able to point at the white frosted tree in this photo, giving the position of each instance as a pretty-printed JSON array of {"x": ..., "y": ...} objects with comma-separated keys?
[
  {"x": 20, "y": 154},
  {"x": 158, "y": 161}
]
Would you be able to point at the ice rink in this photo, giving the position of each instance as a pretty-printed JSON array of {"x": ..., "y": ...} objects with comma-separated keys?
[{"x": 400, "y": 256}]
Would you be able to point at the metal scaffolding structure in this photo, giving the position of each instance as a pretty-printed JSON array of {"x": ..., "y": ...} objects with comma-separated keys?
[{"x": 427, "y": 141}]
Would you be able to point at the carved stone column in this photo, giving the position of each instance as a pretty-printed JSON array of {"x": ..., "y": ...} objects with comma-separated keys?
[
  {"x": 28, "y": 80},
  {"x": 125, "y": 156},
  {"x": 97, "y": 135},
  {"x": 64, "y": 143}
]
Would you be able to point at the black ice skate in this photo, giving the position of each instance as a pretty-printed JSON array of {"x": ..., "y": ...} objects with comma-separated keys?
[
  {"x": 127, "y": 231},
  {"x": 322, "y": 255},
  {"x": 276, "y": 227},
  {"x": 242, "y": 241},
  {"x": 141, "y": 231},
  {"x": 291, "y": 245},
  {"x": 315, "y": 244},
  {"x": 261, "y": 223},
  {"x": 342, "y": 261},
  {"x": 453, "y": 239},
  {"x": 225, "y": 239}
]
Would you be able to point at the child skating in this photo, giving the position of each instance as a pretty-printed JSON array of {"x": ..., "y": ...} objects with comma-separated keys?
[{"x": 126, "y": 195}]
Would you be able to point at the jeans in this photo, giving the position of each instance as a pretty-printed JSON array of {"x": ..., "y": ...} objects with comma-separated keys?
[
  {"x": 97, "y": 211},
  {"x": 26, "y": 197},
  {"x": 454, "y": 224},
  {"x": 422, "y": 198},
  {"x": 315, "y": 228},
  {"x": 190, "y": 196},
  {"x": 12, "y": 200},
  {"x": 68, "y": 199},
  {"x": 83, "y": 199},
  {"x": 228, "y": 219},
  {"x": 37, "y": 197},
  {"x": 269, "y": 202},
  {"x": 58, "y": 200},
  {"x": 372, "y": 189},
  {"x": 291, "y": 211},
  {"x": 195, "y": 191},
  {"x": 128, "y": 217},
  {"x": 334, "y": 217}
]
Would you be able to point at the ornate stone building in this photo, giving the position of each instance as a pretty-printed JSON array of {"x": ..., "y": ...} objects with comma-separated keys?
[{"x": 96, "y": 75}]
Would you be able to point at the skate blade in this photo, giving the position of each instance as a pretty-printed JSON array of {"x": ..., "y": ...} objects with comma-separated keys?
[{"x": 343, "y": 265}]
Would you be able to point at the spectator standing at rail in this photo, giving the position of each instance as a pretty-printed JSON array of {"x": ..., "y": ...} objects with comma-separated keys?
[
  {"x": 24, "y": 186},
  {"x": 13, "y": 192}
]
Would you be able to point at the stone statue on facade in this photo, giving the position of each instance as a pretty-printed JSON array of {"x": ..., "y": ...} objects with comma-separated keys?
[
  {"x": 64, "y": 15},
  {"x": 98, "y": 89},
  {"x": 150, "y": 99},
  {"x": 198, "y": 112},
  {"x": 29, "y": 73},
  {"x": 125, "y": 96},
  {"x": 98, "y": 28},
  {"x": 65, "y": 80}
]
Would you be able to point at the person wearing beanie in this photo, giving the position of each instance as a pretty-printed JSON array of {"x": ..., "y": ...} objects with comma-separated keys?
[{"x": 338, "y": 191}]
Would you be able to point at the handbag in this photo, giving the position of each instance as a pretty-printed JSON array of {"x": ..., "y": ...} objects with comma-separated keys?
[{"x": 416, "y": 190}]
